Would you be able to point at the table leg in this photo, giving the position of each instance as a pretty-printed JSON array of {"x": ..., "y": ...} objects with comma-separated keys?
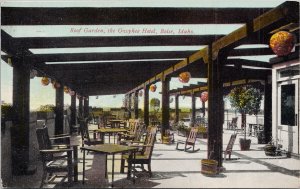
[
  {"x": 113, "y": 171},
  {"x": 106, "y": 174},
  {"x": 83, "y": 167}
]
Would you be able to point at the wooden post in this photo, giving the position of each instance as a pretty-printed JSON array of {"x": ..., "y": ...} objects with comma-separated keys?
[
  {"x": 59, "y": 111},
  {"x": 80, "y": 107},
  {"x": 176, "y": 108},
  {"x": 165, "y": 104},
  {"x": 86, "y": 107},
  {"x": 146, "y": 105},
  {"x": 267, "y": 111},
  {"x": 193, "y": 118},
  {"x": 215, "y": 108},
  {"x": 136, "y": 105},
  {"x": 203, "y": 109},
  {"x": 129, "y": 105},
  {"x": 73, "y": 110},
  {"x": 20, "y": 130}
]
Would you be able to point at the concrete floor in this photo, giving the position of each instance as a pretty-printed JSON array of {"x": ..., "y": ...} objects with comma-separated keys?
[{"x": 178, "y": 169}]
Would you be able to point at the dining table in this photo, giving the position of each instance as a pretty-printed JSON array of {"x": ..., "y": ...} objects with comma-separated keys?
[
  {"x": 116, "y": 123},
  {"x": 109, "y": 131},
  {"x": 110, "y": 149}
]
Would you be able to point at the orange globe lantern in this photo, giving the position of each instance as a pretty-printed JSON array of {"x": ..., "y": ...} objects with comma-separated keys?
[
  {"x": 204, "y": 96},
  {"x": 45, "y": 81},
  {"x": 184, "y": 77},
  {"x": 282, "y": 43},
  {"x": 66, "y": 89},
  {"x": 153, "y": 88}
]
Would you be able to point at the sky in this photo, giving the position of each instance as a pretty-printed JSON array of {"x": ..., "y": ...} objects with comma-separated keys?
[{"x": 41, "y": 95}]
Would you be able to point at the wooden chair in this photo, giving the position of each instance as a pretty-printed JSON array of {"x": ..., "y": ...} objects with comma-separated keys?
[
  {"x": 131, "y": 133},
  {"x": 57, "y": 158},
  {"x": 144, "y": 155},
  {"x": 85, "y": 135},
  {"x": 229, "y": 146},
  {"x": 190, "y": 140},
  {"x": 233, "y": 123}
]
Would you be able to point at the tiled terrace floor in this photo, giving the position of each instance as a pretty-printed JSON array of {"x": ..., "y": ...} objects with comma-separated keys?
[{"x": 178, "y": 169}]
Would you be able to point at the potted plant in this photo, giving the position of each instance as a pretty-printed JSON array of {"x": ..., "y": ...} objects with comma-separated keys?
[
  {"x": 270, "y": 149},
  {"x": 246, "y": 100}
]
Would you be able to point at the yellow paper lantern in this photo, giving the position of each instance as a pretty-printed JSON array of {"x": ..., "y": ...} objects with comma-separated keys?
[
  {"x": 66, "y": 89},
  {"x": 45, "y": 81},
  {"x": 282, "y": 43},
  {"x": 153, "y": 88},
  {"x": 184, "y": 77}
]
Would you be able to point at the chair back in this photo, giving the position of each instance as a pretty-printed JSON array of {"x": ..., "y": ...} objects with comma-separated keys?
[
  {"x": 149, "y": 142},
  {"x": 192, "y": 136},
  {"x": 44, "y": 141},
  {"x": 141, "y": 129},
  {"x": 234, "y": 120},
  {"x": 132, "y": 126},
  {"x": 84, "y": 130}
]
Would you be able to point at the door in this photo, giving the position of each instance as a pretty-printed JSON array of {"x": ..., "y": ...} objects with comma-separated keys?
[{"x": 288, "y": 114}]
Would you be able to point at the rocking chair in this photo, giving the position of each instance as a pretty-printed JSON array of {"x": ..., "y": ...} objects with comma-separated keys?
[{"x": 191, "y": 140}]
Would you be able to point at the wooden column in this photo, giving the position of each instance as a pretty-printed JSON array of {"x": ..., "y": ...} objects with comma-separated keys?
[
  {"x": 193, "y": 109},
  {"x": 136, "y": 105},
  {"x": 86, "y": 107},
  {"x": 165, "y": 104},
  {"x": 73, "y": 110},
  {"x": 129, "y": 105},
  {"x": 215, "y": 109},
  {"x": 80, "y": 107},
  {"x": 268, "y": 112},
  {"x": 146, "y": 105},
  {"x": 20, "y": 130},
  {"x": 59, "y": 111},
  {"x": 203, "y": 109},
  {"x": 176, "y": 108}
]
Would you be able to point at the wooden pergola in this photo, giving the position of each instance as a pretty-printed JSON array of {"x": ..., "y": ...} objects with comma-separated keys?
[{"x": 109, "y": 78}]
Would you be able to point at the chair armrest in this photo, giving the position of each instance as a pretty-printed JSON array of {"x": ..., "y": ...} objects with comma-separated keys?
[
  {"x": 61, "y": 137},
  {"x": 56, "y": 150}
]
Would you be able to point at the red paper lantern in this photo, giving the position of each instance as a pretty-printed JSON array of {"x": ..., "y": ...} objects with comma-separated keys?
[
  {"x": 55, "y": 84},
  {"x": 153, "y": 88},
  {"x": 66, "y": 89},
  {"x": 204, "y": 96},
  {"x": 184, "y": 77},
  {"x": 45, "y": 81},
  {"x": 282, "y": 43}
]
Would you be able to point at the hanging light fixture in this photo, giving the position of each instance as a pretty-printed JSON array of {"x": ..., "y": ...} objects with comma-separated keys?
[
  {"x": 184, "y": 77},
  {"x": 204, "y": 96},
  {"x": 282, "y": 43},
  {"x": 153, "y": 88},
  {"x": 45, "y": 81}
]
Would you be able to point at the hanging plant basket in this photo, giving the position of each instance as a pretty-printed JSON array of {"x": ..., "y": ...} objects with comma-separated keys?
[{"x": 282, "y": 43}]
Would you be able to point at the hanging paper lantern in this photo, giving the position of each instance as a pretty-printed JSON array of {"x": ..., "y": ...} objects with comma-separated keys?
[
  {"x": 184, "y": 77},
  {"x": 33, "y": 73},
  {"x": 56, "y": 85},
  {"x": 72, "y": 93},
  {"x": 171, "y": 100},
  {"x": 140, "y": 93},
  {"x": 66, "y": 89},
  {"x": 204, "y": 96},
  {"x": 45, "y": 81},
  {"x": 153, "y": 88},
  {"x": 282, "y": 43}
]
